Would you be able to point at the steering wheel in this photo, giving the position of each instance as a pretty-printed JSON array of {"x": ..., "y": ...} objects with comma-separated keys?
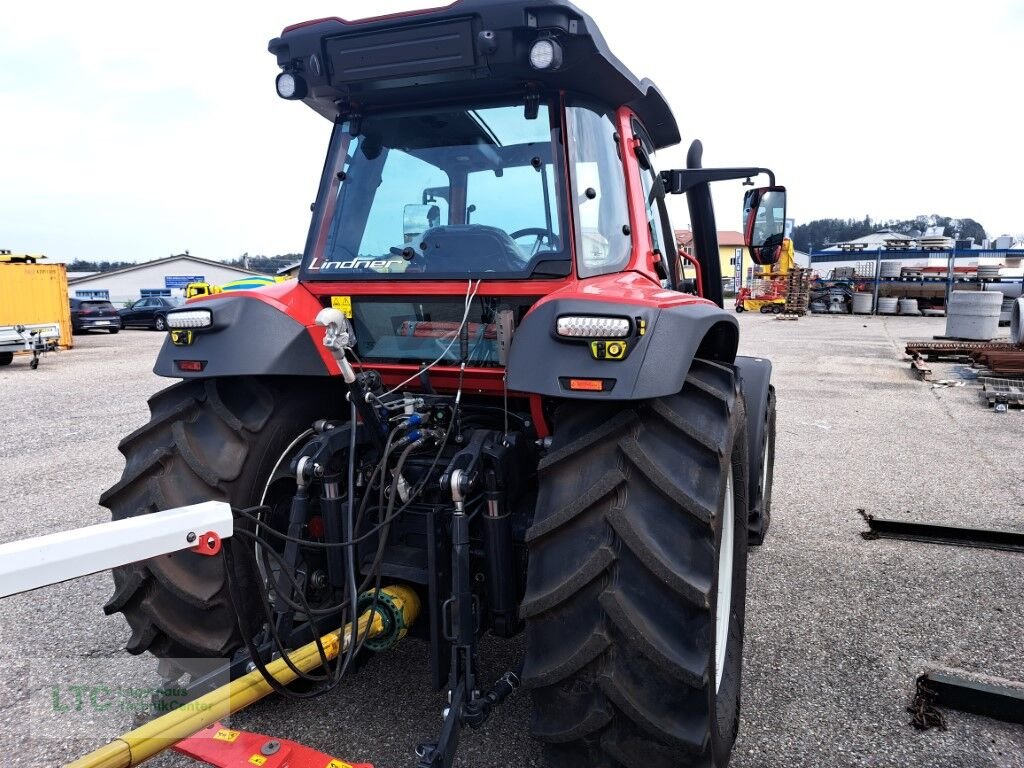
[{"x": 542, "y": 234}]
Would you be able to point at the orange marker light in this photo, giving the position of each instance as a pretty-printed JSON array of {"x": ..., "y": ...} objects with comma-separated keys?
[{"x": 587, "y": 385}]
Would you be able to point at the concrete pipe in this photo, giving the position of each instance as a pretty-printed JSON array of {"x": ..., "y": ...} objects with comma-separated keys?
[
  {"x": 909, "y": 307},
  {"x": 973, "y": 315},
  {"x": 863, "y": 303},
  {"x": 1017, "y": 322},
  {"x": 887, "y": 305}
]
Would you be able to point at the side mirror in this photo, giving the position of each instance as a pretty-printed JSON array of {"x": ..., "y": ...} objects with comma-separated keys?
[
  {"x": 417, "y": 219},
  {"x": 764, "y": 223}
]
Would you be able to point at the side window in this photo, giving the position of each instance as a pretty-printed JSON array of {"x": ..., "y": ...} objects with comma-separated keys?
[
  {"x": 662, "y": 238},
  {"x": 603, "y": 242}
]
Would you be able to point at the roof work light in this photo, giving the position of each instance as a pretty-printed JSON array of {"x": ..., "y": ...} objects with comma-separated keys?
[
  {"x": 290, "y": 86},
  {"x": 546, "y": 53}
]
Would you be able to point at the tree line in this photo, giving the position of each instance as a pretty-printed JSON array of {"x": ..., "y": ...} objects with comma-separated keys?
[{"x": 822, "y": 233}]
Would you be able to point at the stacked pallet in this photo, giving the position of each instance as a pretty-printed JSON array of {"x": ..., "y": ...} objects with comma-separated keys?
[
  {"x": 949, "y": 349},
  {"x": 1009, "y": 392},
  {"x": 798, "y": 291},
  {"x": 1002, "y": 362}
]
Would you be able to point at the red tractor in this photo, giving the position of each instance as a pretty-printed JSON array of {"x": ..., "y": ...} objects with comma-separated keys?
[{"x": 490, "y": 384}]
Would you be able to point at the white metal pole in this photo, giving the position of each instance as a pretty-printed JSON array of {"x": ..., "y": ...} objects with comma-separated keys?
[{"x": 36, "y": 562}]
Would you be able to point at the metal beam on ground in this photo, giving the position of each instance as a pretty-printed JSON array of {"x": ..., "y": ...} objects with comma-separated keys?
[
  {"x": 932, "y": 533},
  {"x": 999, "y": 702}
]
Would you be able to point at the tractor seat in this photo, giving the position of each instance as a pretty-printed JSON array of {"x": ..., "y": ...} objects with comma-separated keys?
[{"x": 470, "y": 249}]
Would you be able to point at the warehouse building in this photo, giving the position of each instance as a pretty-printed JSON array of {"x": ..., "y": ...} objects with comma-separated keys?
[
  {"x": 899, "y": 251},
  {"x": 160, "y": 277}
]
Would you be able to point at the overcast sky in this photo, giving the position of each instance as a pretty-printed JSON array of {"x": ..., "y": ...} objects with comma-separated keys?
[{"x": 129, "y": 131}]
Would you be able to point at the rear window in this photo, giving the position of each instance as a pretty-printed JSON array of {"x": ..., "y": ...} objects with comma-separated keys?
[{"x": 98, "y": 306}]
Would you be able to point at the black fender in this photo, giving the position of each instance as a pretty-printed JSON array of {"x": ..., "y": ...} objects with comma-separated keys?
[
  {"x": 661, "y": 345},
  {"x": 755, "y": 375},
  {"x": 249, "y": 337}
]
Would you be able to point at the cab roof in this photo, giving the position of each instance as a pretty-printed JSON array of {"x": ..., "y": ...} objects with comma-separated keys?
[{"x": 469, "y": 49}]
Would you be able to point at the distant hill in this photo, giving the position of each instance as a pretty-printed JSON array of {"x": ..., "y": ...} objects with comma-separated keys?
[
  {"x": 821, "y": 233},
  {"x": 268, "y": 265},
  {"x": 79, "y": 265}
]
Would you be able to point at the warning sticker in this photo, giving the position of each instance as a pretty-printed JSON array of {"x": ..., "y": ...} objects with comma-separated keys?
[
  {"x": 343, "y": 303},
  {"x": 225, "y": 734},
  {"x": 258, "y": 760},
  {"x": 338, "y": 764}
]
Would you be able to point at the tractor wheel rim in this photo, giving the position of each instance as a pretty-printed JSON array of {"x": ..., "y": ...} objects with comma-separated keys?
[
  {"x": 764, "y": 473},
  {"x": 723, "y": 611}
]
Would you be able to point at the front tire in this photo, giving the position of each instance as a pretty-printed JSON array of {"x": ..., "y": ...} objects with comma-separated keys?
[
  {"x": 207, "y": 440},
  {"x": 623, "y": 587}
]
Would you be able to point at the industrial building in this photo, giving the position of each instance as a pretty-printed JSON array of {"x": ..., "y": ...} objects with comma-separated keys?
[
  {"x": 902, "y": 251},
  {"x": 160, "y": 277}
]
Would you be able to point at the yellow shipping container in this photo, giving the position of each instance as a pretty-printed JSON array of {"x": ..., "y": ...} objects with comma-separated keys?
[{"x": 35, "y": 293}]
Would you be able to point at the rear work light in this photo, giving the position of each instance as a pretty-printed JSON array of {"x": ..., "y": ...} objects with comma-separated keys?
[
  {"x": 587, "y": 327},
  {"x": 291, "y": 86},
  {"x": 190, "y": 318}
]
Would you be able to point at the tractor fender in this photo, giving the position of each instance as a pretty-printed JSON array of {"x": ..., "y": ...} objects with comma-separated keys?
[
  {"x": 755, "y": 375},
  {"x": 249, "y": 337},
  {"x": 662, "y": 344}
]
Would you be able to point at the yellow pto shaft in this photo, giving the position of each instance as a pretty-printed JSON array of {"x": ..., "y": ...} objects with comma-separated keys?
[{"x": 397, "y": 608}]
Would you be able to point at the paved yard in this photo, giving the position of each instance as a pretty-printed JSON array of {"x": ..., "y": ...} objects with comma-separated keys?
[{"x": 838, "y": 627}]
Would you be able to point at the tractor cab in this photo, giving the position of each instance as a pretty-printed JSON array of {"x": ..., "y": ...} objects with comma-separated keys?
[{"x": 492, "y": 149}]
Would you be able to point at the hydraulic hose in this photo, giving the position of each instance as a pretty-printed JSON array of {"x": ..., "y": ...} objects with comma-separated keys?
[{"x": 391, "y": 617}]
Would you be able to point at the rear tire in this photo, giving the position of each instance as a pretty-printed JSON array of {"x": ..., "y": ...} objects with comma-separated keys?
[
  {"x": 622, "y": 586},
  {"x": 6, "y": 358},
  {"x": 159, "y": 324},
  {"x": 212, "y": 439},
  {"x": 114, "y": 330}
]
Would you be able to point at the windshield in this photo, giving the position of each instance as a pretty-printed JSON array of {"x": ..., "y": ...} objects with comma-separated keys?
[{"x": 451, "y": 193}]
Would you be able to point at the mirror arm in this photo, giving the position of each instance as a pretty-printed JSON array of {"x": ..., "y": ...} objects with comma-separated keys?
[{"x": 678, "y": 181}]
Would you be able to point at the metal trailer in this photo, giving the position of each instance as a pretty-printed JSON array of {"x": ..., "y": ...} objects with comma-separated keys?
[{"x": 36, "y": 338}]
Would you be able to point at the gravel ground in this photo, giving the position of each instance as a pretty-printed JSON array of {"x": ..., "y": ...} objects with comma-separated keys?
[{"x": 837, "y": 627}]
